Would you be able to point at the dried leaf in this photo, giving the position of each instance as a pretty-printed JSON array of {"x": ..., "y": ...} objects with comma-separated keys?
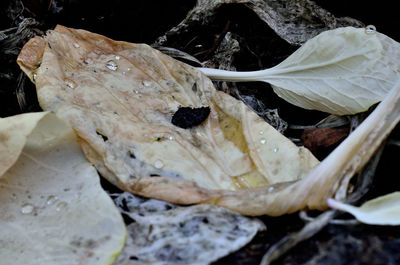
[
  {"x": 127, "y": 134},
  {"x": 341, "y": 71},
  {"x": 120, "y": 99},
  {"x": 294, "y": 21},
  {"x": 164, "y": 233},
  {"x": 321, "y": 138},
  {"x": 53, "y": 210},
  {"x": 384, "y": 210}
]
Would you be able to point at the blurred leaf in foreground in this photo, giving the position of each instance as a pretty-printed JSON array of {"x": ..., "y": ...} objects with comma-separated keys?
[{"x": 53, "y": 209}]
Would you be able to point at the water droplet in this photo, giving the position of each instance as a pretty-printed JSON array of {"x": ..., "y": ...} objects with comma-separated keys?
[
  {"x": 198, "y": 46},
  {"x": 27, "y": 208},
  {"x": 158, "y": 164},
  {"x": 263, "y": 141},
  {"x": 276, "y": 149},
  {"x": 88, "y": 61},
  {"x": 61, "y": 206},
  {"x": 370, "y": 29},
  {"x": 271, "y": 188},
  {"x": 76, "y": 45},
  {"x": 70, "y": 83},
  {"x": 128, "y": 69},
  {"x": 112, "y": 65},
  {"x": 261, "y": 132},
  {"x": 117, "y": 57},
  {"x": 51, "y": 199},
  {"x": 34, "y": 77},
  {"x": 170, "y": 137},
  {"x": 146, "y": 83}
]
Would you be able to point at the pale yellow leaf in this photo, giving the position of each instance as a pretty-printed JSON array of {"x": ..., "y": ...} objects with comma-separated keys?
[
  {"x": 384, "y": 210},
  {"x": 53, "y": 209}
]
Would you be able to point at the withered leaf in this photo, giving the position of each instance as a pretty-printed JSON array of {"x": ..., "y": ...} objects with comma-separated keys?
[{"x": 120, "y": 98}]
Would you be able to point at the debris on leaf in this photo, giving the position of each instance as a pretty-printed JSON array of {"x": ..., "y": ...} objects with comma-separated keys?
[
  {"x": 54, "y": 210},
  {"x": 186, "y": 117},
  {"x": 341, "y": 71},
  {"x": 164, "y": 233},
  {"x": 384, "y": 210}
]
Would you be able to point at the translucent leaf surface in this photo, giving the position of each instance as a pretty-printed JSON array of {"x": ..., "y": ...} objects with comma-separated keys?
[
  {"x": 53, "y": 209},
  {"x": 164, "y": 233},
  {"x": 341, "y": 71},
  {"x": 384, "y": 210}
]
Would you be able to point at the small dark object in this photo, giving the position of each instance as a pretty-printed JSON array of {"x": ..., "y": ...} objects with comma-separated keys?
[{"x": 186, "y": 117}]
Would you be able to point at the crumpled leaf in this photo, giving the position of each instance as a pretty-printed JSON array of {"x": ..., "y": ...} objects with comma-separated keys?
[
  {"x": 341, "y": 71},
  {"x": 384, "y": 210},
  {"x": 295, "y": 21},
  {"x": 164, "y": 233},
  {"x": 120, "y": 98},
  {"x": 53, "y": 210}
]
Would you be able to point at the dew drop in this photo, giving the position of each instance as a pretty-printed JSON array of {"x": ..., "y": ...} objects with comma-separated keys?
[
  {"x": 51, "y": 199},
  {"x": 76, "y": 45},
  {"x": 61, "y": 206},
  {"x": 146, "y": 83},
  {"x": 112, "y": 65},
  {"x": 27, "y": 208},
  {"x": 170, "y": 137},
  {"x": 88, "y": 61},
  {"x": 158, "y": 164},
  {"x": 370, "y": 29},
  {"x": 276, "y": 149},
  {"x": 34, "y": 77},
  {"x": 117, "y": 57},
  {"x": 263, "y": 141},
  {"x": 70, "y": 83},
  {"x": 128, "y": 69},
  {"x": 261, "y": 132},
  {"x": 271, "y": 188}
]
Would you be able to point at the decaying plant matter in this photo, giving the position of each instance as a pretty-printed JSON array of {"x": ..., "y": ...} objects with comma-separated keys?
[
  {"x": 120, "y": 99},
  {"x": 294, "y": 21}
]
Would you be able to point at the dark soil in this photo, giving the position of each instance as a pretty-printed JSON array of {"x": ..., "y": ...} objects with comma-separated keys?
[{"x": 144, "y": 21}]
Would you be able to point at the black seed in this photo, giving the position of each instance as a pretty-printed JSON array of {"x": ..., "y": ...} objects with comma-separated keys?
[{"x": 186, "y": 117}]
